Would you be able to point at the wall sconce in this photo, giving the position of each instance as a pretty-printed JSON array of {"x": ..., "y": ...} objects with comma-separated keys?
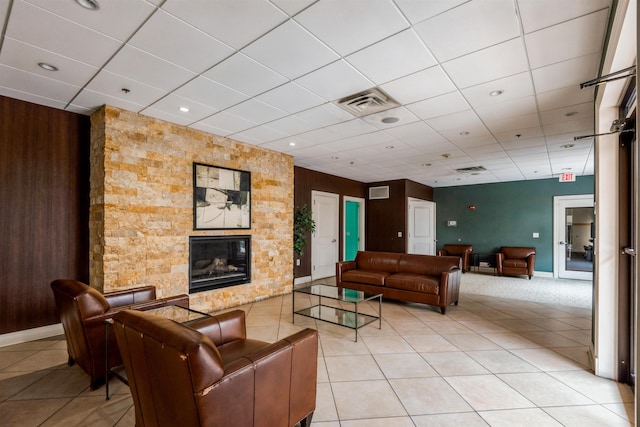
[{"x": 472, "y": 207}]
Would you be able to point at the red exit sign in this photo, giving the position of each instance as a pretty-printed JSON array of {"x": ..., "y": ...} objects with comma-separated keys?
[{"x": 567, "y": 177}]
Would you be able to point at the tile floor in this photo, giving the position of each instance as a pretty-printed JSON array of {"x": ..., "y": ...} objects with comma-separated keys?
[{"x": 488, "y": 361}]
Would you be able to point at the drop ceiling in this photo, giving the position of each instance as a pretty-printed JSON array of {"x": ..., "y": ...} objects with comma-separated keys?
[{"x": 270, "y": 72}]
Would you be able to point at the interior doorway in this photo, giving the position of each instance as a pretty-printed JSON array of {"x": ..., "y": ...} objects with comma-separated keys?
[
  {"x": 324, "y": 241},
  {"x": 574, "y": 231},
  {"x": 422, "y": 227},
  {"x": 353, "y": 221}
]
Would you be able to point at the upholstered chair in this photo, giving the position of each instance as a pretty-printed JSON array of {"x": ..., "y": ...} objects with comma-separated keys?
[
  {"x": 463, "y": 251},
  {"x": 516, "y": 261},
  {"x": 207, "y": 373},
  {"x": 83, "y": 312}
]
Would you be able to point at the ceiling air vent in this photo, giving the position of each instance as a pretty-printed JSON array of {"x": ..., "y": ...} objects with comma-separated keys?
[
  {"x": 367, "y": 102},
  {"x": 471, "y": 169},
  {"x": 379, "y": 192}
]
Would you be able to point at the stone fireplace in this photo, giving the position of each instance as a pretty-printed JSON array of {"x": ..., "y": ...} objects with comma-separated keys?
[{"x": 218, "y": 261}]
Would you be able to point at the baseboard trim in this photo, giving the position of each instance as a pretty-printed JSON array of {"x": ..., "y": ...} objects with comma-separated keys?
[
  {"x": 543, "y": 274},
  {"x": 31, "y": 334}
]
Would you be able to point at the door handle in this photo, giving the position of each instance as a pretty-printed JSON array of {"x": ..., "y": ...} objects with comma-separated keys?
[
  {"x": 629, "y": 251},
  {"x": 562, "y": 243}
]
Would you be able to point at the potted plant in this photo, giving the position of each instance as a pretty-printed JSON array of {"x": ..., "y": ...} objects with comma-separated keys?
[{"x": 303, "y": 223}]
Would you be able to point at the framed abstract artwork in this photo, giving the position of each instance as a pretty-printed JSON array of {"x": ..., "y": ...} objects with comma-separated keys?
[{"x": 221, "y": 198}]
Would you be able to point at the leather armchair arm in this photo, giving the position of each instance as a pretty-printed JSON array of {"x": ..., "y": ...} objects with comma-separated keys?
[
  {"x": 442, "y": 252},
  {"x": 343, "y": 266},
  {"x": 499, "y": 260},
  {"x": 531, "y": 262}
]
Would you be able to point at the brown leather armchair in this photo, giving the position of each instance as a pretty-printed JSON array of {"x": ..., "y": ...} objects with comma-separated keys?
[
  {"x": 514, "y": 260},
  {"x": 83, "y": 311},
  {"x": 209, "y": 374},
  {"x": 463, "y": 251}
]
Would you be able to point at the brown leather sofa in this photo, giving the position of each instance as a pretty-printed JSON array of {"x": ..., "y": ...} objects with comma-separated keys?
[
  {"x": 208, "y": 373},
  {"x": 426, "y": 279},
  {"x": 83, "y": 311},
  {"x": 516, "y": 261},
  {"x": 463, "y": 251}
]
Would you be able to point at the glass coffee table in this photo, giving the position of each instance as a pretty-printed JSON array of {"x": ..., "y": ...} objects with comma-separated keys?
[
  {"x": 352, "y": 319},
  {"x": 173, "y": 312}
]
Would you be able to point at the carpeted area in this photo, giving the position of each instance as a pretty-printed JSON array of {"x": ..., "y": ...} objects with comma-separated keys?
[{"x": 572, "y": 293}]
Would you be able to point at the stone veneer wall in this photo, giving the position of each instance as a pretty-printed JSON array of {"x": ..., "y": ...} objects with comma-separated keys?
[{"x": 141, "y": 212}]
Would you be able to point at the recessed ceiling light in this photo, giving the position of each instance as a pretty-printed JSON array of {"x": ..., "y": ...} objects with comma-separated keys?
[
  {"x": 293, "y": 144},
  {"x": 426, "y": 164},
  {"x": 464, "y": 133},
  {"x": 567, "y": 146},
  {"x": 334, "y": 157},
  {"x": 389, "y": 147},
  {"x": 496, "y": 93},
  {"x": 47, "y": 67},
  {"x": 184, "y": 109},
  {"x": 446, "y": 155},
  {"x": 89, "y": 4},
  {"x": 571, "y": 113},
  {"x": 389, "y": 120}
]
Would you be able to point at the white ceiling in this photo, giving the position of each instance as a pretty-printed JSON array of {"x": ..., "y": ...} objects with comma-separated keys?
[{"x": 268, "y": 73}]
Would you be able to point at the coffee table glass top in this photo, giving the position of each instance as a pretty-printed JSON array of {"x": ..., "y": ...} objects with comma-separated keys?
[
  {"x": 177, "y": 313},
  {"x": 336, "y": 293}
]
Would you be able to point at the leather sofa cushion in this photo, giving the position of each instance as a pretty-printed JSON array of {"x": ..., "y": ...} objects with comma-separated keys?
[
  {"x": 414, "y": 282},
  {"x": 515, "y": 263},
  {"x": 365, "y": 276}
]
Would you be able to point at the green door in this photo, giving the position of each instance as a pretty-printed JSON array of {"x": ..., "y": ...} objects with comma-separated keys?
[{"x": 352, "y": 228}]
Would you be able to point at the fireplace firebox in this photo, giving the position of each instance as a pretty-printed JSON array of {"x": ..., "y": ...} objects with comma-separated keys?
[{"x": 218, "y": 261}]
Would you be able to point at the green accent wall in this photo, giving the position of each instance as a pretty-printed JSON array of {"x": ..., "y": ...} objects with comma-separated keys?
[{"x": 506, "y": 214}]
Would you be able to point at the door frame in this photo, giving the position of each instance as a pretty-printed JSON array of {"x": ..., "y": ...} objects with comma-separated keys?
[
  {"x": 559, "y": 206},
  {"x": 361, "y": 216},
  {"x": 433, "y": 225}
]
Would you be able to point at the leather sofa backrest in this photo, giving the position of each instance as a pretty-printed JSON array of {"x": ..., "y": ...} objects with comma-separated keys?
[
  {"x": 515, "y": 252},
  {"x": 454, "y": 249},
  {"x": 428, "y": 264},
  {"x": 378, "y": 261},
  {"x": 131, "y": 296}
]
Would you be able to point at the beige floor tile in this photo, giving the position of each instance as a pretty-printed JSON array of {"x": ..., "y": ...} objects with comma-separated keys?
[
  {"x": 31, "y": 345},
  {"x": 598, "y": 389},
  {"x": 379, "y": 422},
  {"x": 483, "y": 326},
  {"x": 466, "y": 419},
  {"x": 325, "y": 424},
  {"x": 43, "y": 359},
  {"x": 28, "y": 413},
  {"x": 323, "y": 375},
  {"x": 586, "y": 416},
  {"x": 454, "y": 363},
  {"x": 467, "y": 342},
  {"x": 486, "y": 392},
  {"x": 501, "y": 362},
  {"x": 366, "y": 399},
  {"x": 325, "y": 404},
  {"x": 579, "y": 355},
  {"x": 581, "y": 336},
  {"x": 8, "y": 358},
  {"x": 387, "y": 345},
  {"x": 91, "y": 411},
  {"x": 57, "y": 383},
  {"x": 263, "y": 333},
  {"x": 421, "y": 396},
  {"x": 553, "y": 324},
  {"x": 429, "y": 343},
  {"x": 547, "y": 360},
  {"x": 518, "y": 325},
  {"x": 12, "y": 383},
  {"x": 624, "y": 410},
  {"x": 544, "y": 390},
  {"x": 337, "y": 346},
  {"x": 550, "y": 339},
  {"x": 404, "y": 366},
  {"x": 579, "y": 322},
  {"x": 414, "y": 327},
  {"x": 353, "y": 368},
  {"x": 450, "y": 327},
  {"x": 511, "y": 340},
  {"x": 519, "y": 418}
]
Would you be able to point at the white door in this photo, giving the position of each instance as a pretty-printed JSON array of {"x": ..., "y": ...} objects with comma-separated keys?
[
  {"x": 573, "y": 242},
  {"x": 324, "y": 241},
  {"x": 422, "y": 227}
]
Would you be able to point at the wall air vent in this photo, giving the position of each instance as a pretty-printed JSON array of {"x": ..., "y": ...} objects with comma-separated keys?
[
  {"x": 471, "y": 169},
  {"x": 367, "y": 102},
  {"x": 379, "y": 192}
]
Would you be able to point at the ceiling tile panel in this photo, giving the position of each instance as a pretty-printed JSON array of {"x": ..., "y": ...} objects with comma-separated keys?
[
  {"x": 469, "y": 27},
  {"x": 258, "y": 135},
  {"x": 403, "y": 115},
  {"x": 535, "y": 14},
  {"x": 570, "y": 95},
  {"x": 392, "y": 58},
  {"x": 37, "y": 85},
  {"x": 512, "y": 87},
  {"x": 352, "y": 128},
  {"x": 112, "y": 85},
  {"x": 54, "y": 33},
  {"x": 229, "y": 123},
  {"x": 520, "y": 134},
  {"x": 568, "y": 40},
  {"x": 418, "y": 86},
  {"x": 291, "y": 97},
  {"x": 256, "y": 111},
  {"x": 92, "y": 100},
  {"x": 442, "y": 105},
  {"x": 417, "y": 11},
  {"x": 335, "y": 81},
  {"x": 502, "y": 60},
  {"x": 143, "y": 67},
  {"x": 172, "y": 103},
  {"x": 567, "y": 73},
  {"x": 350, "y": 26},
  {"x": 208, "y": 92},
  {"x": 175, "y": 41},
  {"x": 290, "y": 50},
  {"x": 292, "y": 7},
  {"x": 245, "y": 75},
  {"x": 235, "y": 23},
  {"x": 11, "y": 92}
]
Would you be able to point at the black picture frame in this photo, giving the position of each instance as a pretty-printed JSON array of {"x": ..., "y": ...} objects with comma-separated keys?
[{"x": 221, "y": 198}]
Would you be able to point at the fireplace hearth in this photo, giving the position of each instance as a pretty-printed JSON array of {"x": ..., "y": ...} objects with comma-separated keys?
[{"x": 218, "y": 262}]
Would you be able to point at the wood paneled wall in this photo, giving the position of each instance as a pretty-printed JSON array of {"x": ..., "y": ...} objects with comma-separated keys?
[
  {"x": 44, "y": 205},
  {"x": 305, "y": 181},
  {"x": 387, "y": 217}
]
